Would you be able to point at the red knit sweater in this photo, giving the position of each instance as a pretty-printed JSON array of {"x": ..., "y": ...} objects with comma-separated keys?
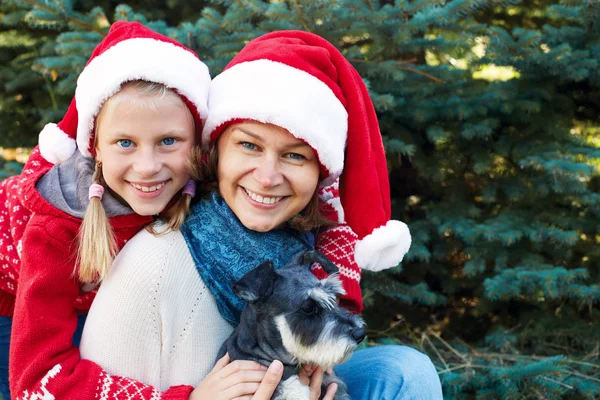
[{"x": 43, "y": 361}]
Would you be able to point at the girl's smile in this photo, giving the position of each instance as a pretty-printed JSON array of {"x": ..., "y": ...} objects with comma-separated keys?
[{"x": 149, "y": 190}]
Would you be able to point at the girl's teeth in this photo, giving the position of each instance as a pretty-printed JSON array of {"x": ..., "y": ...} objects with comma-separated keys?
[{"x": 147, "y": 189}]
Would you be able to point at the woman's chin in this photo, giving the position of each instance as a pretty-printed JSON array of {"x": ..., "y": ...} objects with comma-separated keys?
[{"x": 257, "y": 226}]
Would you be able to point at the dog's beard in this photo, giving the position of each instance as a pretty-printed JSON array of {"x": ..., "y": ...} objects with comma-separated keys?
[{"x": 328, "y": 349}]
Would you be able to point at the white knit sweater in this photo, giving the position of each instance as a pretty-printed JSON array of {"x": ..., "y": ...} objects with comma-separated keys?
[{"x": 153, "y": 319}]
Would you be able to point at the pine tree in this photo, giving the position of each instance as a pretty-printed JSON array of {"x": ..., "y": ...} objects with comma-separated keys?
[{"x": 490, "y": 113}]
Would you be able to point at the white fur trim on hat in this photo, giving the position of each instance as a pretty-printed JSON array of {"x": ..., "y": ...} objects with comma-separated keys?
[
  {"x": 138, "y": 59},
  {"x": 273, "y": 92},
  {"x": 55, "y": 145},
  {"x": 384, "y": 247}
]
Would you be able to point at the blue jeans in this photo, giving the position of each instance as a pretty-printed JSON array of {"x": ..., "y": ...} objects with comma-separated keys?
[
  {"x": 390, "y": 373},
  {"x": 5, "y": 327}
]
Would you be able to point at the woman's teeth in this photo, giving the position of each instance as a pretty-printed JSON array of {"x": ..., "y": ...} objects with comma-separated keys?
[
  {"x": 148, "y": 188},
  {"x": 261, "y": 199}
]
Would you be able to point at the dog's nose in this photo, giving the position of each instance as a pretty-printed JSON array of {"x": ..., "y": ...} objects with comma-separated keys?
[{"x": 358, "y": 335}]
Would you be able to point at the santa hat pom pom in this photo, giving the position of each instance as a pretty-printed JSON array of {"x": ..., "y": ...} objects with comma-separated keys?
[
  {"x": 55, "y": 145},
  {"x": 384, "y": 248}
]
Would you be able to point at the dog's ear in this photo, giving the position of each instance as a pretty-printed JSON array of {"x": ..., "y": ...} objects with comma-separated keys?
[
  {"x": 313, "y": 256},
  {"x": 257, "y": 284}
]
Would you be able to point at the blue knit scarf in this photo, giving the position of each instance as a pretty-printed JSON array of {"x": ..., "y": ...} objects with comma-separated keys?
[{"x": 224, "y": 250}]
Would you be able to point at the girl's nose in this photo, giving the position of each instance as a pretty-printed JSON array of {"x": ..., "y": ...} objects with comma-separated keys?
[
  {"x": 147, "y": 164},
  {"x": 267, "y": 172}
]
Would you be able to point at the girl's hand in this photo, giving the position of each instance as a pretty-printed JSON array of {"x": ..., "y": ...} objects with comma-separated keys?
[
  {"x": 238, "y": 380},
  {"x": 313, "y": 377}
]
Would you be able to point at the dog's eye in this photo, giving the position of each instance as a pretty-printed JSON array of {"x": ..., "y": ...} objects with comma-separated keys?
[{"x": 309, "y": 307}]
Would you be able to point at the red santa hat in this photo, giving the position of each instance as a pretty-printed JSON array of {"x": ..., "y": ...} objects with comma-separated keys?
[
  {"x": 129, "y": 52},
  {"x": 301, "y": 82}
]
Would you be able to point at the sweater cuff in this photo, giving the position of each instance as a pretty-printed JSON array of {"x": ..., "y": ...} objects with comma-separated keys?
[
  {"x": 7, "y": 304},
  {"x": 181, "y": 392}
]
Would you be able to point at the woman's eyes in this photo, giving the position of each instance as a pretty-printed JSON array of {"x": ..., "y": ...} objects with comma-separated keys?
[
  {"x": 296, "y": 156},
  {"x": 125, "y": 143},
  {"x": 248, "y": 145},
  {"x": 291, "y": 156}
]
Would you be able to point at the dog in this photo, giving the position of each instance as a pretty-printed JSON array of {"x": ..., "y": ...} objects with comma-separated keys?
[{"x": 293, "y": 317}]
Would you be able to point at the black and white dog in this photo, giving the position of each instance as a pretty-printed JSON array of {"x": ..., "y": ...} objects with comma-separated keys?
[{"x": 293, "y": 317}]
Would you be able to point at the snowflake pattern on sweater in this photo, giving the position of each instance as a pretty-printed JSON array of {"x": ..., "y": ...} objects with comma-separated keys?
[
  {"x": 109, "y": 387},
  {"x": 337, "y": 244},
  {"x": 13, "y": 220},
  {"x": 14, "y": 217}
]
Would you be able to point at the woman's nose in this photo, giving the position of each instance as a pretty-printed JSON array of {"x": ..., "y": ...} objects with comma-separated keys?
[{"x": 267, "y": 173}]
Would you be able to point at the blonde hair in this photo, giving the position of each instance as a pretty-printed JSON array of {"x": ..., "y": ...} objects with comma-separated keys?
[{"x": 97, "y": 243}]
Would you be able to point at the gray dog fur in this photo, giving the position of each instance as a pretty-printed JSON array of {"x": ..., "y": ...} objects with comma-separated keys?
[{"x": 293, "y": 317}]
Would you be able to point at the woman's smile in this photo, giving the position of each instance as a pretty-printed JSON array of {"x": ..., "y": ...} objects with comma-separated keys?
[{"x": 263, "y": 199}]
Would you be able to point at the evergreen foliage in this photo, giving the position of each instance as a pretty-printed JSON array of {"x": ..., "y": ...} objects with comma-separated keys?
[
  {"x": 490, "y": 112},
  {"x": 9, "y": 168}
]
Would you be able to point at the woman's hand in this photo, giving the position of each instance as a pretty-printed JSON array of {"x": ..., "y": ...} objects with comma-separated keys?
[
  {"x": 239, "y": 380},
  {"x": 312, "y": 376}
]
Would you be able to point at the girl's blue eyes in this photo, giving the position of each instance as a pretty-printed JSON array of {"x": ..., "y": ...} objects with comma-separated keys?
[{"x": 125, "y": 143}]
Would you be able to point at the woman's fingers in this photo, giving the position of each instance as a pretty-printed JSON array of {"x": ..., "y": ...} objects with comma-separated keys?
[
  {"x": 304, "y": 375},
  {"x": 241, "y": 389},
  {"x": 221, "y": 363},
  {"x": 240, "y": 365},
  {"x": 315, "y": 383},
  {"x": 270, "y": 381},
  {"x": 309, "y": 368},
  {"x": 331, "y": 390}
]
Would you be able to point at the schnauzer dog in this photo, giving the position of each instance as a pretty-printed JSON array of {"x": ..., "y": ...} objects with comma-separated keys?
[{"x": 293, "y": 317}]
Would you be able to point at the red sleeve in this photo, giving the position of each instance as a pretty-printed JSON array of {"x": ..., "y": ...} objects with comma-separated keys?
[
  {"x": 43, "y": 361},
  {"x": 337, "y": 244},
  {"x": 13, "y": 219}
]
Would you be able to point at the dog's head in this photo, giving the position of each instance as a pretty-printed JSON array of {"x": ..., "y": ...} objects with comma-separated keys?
[{"x": 312, "y": 327}]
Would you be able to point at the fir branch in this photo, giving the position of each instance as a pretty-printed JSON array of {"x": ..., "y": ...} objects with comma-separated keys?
[
  {"x": 590, "y": 378},
  {"x": 426, "y": 337},
  {"x": 401, "y": 65},
  {"x": 438, "y": 337},
  {"x": 50, "y": 92},
  {"x": 74, "y": 20},
  {"x": 300, "y": 16}
]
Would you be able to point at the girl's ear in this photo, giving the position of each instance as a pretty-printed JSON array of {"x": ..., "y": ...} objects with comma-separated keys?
[{"x": 98, "y": 155}]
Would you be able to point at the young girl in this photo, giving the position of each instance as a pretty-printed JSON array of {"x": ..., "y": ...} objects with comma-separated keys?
[
  {"x": 138, "y": 109},
  {"x": 288, "y": 114}
]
